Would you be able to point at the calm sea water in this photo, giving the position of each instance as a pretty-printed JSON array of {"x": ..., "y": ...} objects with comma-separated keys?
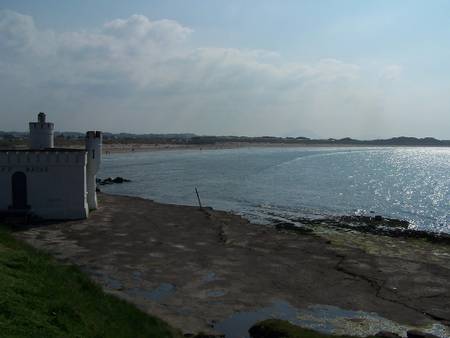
[{"x": 405, "y": 183}]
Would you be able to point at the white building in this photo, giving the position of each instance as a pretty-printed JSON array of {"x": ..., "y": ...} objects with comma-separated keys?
[{"x": 51, "y": 183}]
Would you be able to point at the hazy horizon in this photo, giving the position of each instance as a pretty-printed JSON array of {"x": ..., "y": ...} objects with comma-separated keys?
[
  {"x": 230, "y": 135},
  {"x": 320, "y": 69}
]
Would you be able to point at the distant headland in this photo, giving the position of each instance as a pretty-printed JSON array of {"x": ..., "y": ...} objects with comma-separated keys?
[{"x": 188, "y": 140}]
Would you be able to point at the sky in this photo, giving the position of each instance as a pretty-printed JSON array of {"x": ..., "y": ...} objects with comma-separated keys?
[{"x": 316, "y": 68}]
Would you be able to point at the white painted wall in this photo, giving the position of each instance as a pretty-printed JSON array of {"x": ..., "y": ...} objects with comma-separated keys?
[
  {"x": 94, "y": 157},
  {"x": 41, "y": 133},
  {"x": 56, "y": 182},
  {"x": 61, "y": 184}
]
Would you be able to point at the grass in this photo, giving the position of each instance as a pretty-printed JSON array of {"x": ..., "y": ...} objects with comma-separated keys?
[
  {"x": 40, "y": 297},
  {"x": 274, "y": 328}
]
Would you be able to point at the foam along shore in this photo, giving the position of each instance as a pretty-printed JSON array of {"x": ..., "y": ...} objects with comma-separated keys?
[{"x": 199, "y": 268}]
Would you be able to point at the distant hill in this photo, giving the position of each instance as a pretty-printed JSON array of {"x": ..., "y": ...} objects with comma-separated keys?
[
  {"x": 66, "y": 138},
  {"x": 396, "y": 141}
]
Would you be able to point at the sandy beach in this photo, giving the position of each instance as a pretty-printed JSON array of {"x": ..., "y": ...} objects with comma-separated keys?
[
  {"x": 196, "y": 268},
  {"x": 112, "y": 148}
]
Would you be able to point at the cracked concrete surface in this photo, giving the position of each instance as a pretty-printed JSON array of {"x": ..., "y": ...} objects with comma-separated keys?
[{"x": 195, "y": 267}]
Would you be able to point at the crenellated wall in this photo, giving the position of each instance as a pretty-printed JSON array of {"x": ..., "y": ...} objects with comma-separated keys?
[
  {"x": 41, "y": 157},
  {"x": 41, "y": 135},
  {"x": 56, "y": 182},
  {"x": 38, "y": 125},
  {"x": 49, "y": 182}
]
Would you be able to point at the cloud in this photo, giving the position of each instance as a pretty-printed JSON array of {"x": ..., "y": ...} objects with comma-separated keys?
[
  {"x": 392, "y": 72},
  {"x": 147, "y": 76},
  {"x": 17, "y": 30},
  {"x": 139, "y": 28}
]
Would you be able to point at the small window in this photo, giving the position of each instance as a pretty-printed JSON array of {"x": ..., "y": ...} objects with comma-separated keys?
[{"x": 93, "y": 153}]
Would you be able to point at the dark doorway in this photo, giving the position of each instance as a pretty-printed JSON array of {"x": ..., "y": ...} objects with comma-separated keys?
[{"x": 19, "y": 191}]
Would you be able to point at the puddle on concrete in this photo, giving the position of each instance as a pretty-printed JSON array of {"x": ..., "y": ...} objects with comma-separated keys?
[
  {"x": 323, "y": 318},
  {"x": 216, "y": 293},
  {"x": 137, "y": 275},
  {"x": 238, "y": 324},
  {"x": 209, "y": 277},
  {"x": 106, "y": 280},
  {"x": 163, "y": 291},
  {"x": 112, "y": 283}
]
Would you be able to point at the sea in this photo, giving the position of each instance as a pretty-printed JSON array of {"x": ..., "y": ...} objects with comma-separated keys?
[{"x": 410, "y": 183}]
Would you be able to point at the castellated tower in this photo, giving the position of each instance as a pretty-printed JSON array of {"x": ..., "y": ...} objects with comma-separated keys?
[
  {"x": 94, "y": 156},
  {"x": 47, "y": 182},
  {"x": 41, "y": 133}
]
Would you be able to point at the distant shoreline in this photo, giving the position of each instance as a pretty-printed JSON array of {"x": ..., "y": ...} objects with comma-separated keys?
[
  {"x": 139, "y": 147},
  {"x": 113, "y": 148},
  {"x": 124, "y": 142},
  {"x": 124, "y": 148}
]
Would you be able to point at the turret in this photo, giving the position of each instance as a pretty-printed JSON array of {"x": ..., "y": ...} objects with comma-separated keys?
[
  {"x": 94, "y": 156},
  {"x": 41, "y": 133}
]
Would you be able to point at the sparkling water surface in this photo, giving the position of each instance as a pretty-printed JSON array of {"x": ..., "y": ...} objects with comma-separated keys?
[{"x": 404, "y": 183}]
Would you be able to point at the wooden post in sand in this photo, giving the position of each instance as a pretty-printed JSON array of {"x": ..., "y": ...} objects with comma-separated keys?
[{"x": 198, "y": 198}]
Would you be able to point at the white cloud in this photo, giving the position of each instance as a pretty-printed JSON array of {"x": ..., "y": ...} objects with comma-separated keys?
[
  {"x": 145, "y": 76},
  {"x": 392, "y": 72},
  {"x": 139, "y": 28},
  {"x": 17, "y": 30}
]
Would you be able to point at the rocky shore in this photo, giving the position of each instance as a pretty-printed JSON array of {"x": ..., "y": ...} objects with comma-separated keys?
[
  {"x": 212, "y": 271},
  {"x": 274, "y": 328},
  {"x": 373, "y": 224}
]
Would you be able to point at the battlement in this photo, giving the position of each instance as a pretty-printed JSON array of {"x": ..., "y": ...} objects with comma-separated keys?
[
  {"x": 52, "y": 183},
  {"x": 41, "y": 125},
  {"x": 41, "y": 133},
  {"x": 93, "y": 134},
  {"x": 55, "y": 157}
]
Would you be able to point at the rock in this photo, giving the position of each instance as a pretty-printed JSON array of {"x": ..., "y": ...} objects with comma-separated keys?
[
  {"x": 292, "y": 227},
  {"x": 120, "y": 180},
  {"x": 209, "y": 335},
  {"x": 386, "y": 334},
  {"x": 110, "y": 180},
  {"x": 419, "y": 334},
  {"x": 106, "y": 181},
  {"x": 275, "y": 328}
]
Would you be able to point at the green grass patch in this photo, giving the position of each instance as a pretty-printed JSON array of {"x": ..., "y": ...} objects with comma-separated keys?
[
  {"x": 40, "y": 297},
  {"x": 275, "y": 328}
]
